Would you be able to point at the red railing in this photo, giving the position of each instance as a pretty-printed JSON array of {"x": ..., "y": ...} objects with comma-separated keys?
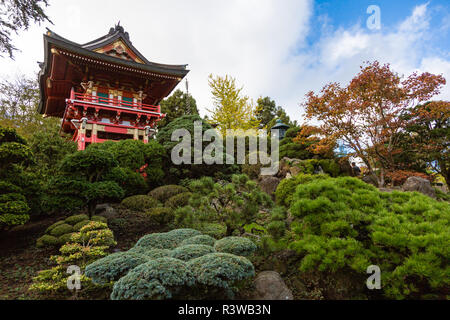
[{"x": 107, "y": 102}]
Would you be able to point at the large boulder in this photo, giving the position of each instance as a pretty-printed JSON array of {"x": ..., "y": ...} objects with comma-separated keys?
[
  {"x": 269, "y": 184},
  {"x": 420, "y": 185},
  {"x": 270, "y": 286}
]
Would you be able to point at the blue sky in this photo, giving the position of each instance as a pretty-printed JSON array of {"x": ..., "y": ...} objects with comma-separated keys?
[
  {"x": 347, "y": 13},
  {"x": 281, "y": 49}
]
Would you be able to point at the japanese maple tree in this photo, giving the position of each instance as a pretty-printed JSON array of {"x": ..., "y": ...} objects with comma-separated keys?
[{"x": 365, "y": 113}]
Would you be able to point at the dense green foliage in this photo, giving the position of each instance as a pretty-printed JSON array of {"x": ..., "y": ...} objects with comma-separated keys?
[
  {"x": 177, "y": 172},
  {"x": 221, "y": 270},
  {"x": 168, "y": 240},
  {"x": 114, "y": 266},
  {"x": 179, "y": 200},
  {"x": 191, "y": 251},
  {"x": 231, "y": 204},
  {"x": 286, "y": 188},
  {"x": 61, "y": 231},
  {"x": 154, "y": 280},
  {"x": 139, "y": 202},
  {"x": 201, "y": 239},
  {"x": 14, "y": 155},
  {"x": 86, "y": 246},
  {"x": 163, "y": 193},
  {"x": 166, "y": 265},
  {"x": 235, "y": 245},
  {"x": 345, "y": 224},
  {"x": 177, "y": 105},
  {"x": 134, "y": 154}
]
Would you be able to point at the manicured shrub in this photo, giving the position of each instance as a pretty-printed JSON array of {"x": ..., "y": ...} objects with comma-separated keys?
[
  {"x": 7, "y": 187},
  {"x": 50, "y": 228},
  {"x": 99, "y": 219},
  {"x": 232, "y": 204},
  {"x": 286, "y": 188},
  {"x": 86, "y": 246},
  {"x": 345, "y": 224},
  {"x": 215, "y": 230},
  {"x": 179, "y": 200},
  {"x": 139, "y": 202},
  {"x": 168, "y": 240},
  {"x": 67, "y": 237},
  {"x": 97, "y": 232},
  {"x": 80, "y": 224},
  {"x": 164, "y": 193},
  {"x": 151, "y": 253},
  {"x": 220, "y": 269},
  {"x": 191, "y": 251},
  {"x": 47, "y": 241},
  {"x": 277, "y": 225},
  {"x": 201, "y": 239},
  {"x": 156, "y": 279},
  {"x": 161, "y": 215},
  {"x": 61, "y": 229},
  {"x": 73, "y": 220},
  {"x": 235, "y": 245},
  {"x": 114, "y": 266},
  {"x": 12, "y": 197},
  {"x": 130, "y": 181},
  {"x": 182, "y": 234}
]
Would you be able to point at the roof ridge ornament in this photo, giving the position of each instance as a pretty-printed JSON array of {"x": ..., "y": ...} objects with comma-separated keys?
[{"x": 120, "y": 29}]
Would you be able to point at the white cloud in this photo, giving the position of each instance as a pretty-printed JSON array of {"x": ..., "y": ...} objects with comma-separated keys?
[{"x": 260, "y": 42}]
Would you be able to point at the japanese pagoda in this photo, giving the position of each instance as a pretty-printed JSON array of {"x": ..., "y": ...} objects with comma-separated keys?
[{"x": 104, "y": 89}]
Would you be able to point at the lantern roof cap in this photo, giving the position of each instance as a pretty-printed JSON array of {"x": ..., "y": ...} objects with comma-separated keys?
[{"x": 280, "y": 125}]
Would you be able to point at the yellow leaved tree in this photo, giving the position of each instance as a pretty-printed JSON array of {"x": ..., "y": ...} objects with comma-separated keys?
[{"x": 232, "y": 110}]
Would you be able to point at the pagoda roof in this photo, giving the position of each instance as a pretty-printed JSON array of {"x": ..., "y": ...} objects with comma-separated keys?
[
  {"x": 117, "y": 33},
  {"x": 113, "y": 51}
]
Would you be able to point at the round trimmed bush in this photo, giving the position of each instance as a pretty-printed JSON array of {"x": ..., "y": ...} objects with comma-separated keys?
[
  {"x": 161, "y": 215},
  {"x": 99, "y": 219},
  {"x": 163, "y": 193},
  {"x": 215, "y": 230},
  {"x": 139, "y": 202},
  {"x": 168, "y": 240},
  {"x": 47, "y": 240},
  {"x": 191, "y": 251},
  {"x": 178, "y": 201},
  {"x": 80, "y": 225},
  {"x": 154, "y": 280},
  {"x": 50, "y": 228},
  {"x": 235, "y": 245},
  {"x": 65, "y": 238},
  {"x": 61, "y": 229},
  {"x": 220, "y": 269},
  {"x": 73, "y": 220},
  {"x": 114, "y": 266},
  {"x": 201, "y": 239},
  {"x": 152, "y": 253}
]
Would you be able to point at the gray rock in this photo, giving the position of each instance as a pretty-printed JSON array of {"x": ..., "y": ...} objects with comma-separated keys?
[
  {"x": 370, "y": 179},
  {"x": 101, "y": 207},
  {"x": 269, "y": 184},
  {"x": 105, "y": 210},
  {"x": 270, "y": 286},
  {"x": 420, "y": 185}
]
